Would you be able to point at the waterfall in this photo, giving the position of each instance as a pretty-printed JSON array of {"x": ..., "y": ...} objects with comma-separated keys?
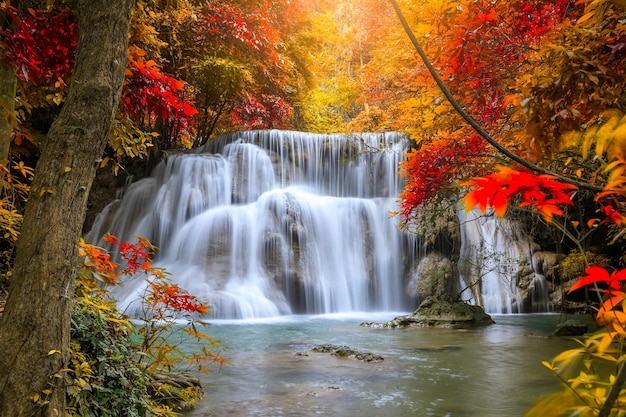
[
  {"x": 265, "y": 223},
  {"x": 496, "y": 262}
]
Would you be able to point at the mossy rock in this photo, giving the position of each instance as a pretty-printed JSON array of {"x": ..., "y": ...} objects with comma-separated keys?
[
  {"x": 444, "y": 311},
  {"x": 179, "y": 391},
  {"x": 347, "y": 352},
  {"x": 441, "y": 311},
  {"x": 570, "y": 328}
]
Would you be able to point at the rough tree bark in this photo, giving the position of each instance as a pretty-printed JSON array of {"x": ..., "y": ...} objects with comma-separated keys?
[
  {"x": 36, "y": 320},
  {"x": 8, "y": 89}
]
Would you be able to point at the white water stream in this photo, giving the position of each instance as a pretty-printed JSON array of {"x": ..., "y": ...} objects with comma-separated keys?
[{"x": 269, "y": 223}]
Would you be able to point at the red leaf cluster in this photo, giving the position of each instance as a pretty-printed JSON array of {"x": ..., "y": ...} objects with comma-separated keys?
[
  {"x": 610, "y": 313},
  {"x": 252, "y": 32},
  {"x": 267, "y": 112},
  {"x": 137, "y": 256},
  {"x": 612, "y": 214},
  {"x": 41, "y": 44},
  {"x": 494, "y": 37},
  {"x": 597, "y": 274},
  {"x": 151, "y": 95},
  {"x": 535, "y": 18},
  {"x": 224, "y": 21},
  {"x": 173, "y": 298},
  {"x": 431, "y": 168},
  {"x": 541, "y": 192}
]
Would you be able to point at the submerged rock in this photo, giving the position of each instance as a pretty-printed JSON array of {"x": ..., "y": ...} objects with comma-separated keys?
[
  {"x": 570, "y": 328},
  {"x": 441, "y": 311},
  {"x": 346, "y": 352}
]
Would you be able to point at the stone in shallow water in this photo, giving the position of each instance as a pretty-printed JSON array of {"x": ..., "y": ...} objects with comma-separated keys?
[
  {"x": 570, "y": 328},
  {"x": 346, "y": 352},
  {"x": 441, "y": 311}
]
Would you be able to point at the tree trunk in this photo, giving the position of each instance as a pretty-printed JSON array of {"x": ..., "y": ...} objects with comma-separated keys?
[
  {"x": 35, "y": 326},
  {"x": 8, "y": 89}
]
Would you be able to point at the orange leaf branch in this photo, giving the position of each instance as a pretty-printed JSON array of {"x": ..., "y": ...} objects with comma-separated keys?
[{"x": 542, "y": 192}]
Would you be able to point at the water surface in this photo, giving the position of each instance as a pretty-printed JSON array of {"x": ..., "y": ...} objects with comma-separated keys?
[{"x": 490, "y": 372}]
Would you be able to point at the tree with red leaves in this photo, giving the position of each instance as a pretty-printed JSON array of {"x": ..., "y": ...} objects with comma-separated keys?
[
  {"x": 432, "y": 168},
  {"x": 42, "y": 44},
  {"x": 243, "y": 69}
]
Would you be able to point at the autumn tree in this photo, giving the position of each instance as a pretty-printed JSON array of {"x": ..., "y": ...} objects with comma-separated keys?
[
  {"x": 233, "y": 56},
  {"x": 572, "y": 121},
  {"x": 35, "y": 325},
  {"x": 193, "y": 67},
  {"x": 392, "y": 80},
  {"x": 574, "y": 78},
  {"x": 479, "y": 50},
  {"x": 243, "y": 49}
]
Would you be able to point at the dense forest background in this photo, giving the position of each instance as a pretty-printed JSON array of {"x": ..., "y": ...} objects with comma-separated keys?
[{"x": 535, "y": 74}]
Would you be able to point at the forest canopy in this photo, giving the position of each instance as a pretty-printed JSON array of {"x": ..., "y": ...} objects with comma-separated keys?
[{"x": 535, "y": 74}]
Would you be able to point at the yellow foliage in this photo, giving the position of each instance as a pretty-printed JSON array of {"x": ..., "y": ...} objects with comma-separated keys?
[
  {"x": 327, "y": 107},
  {"x": 143, "y": 27},
  {"x": 588, "y": 372},
  {"x": 560, "y": 404},
  {"x": 602, "y": 145},
  {"x": 126, "y": 139},
  {"x": 161, "y": 410}
]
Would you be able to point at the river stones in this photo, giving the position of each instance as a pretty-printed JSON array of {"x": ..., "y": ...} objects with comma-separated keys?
[{"x": 346, "y": 352}]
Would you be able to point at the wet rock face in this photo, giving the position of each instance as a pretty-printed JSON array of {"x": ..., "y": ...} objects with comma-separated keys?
[
  {"x": 433, "y": 276},
  {"x": 441, "y": 311}
]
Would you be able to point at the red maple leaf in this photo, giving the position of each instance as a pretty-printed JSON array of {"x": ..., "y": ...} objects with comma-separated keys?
[
  {"x": 597, "y": 274},
  {"x": 541, "y": 192}
]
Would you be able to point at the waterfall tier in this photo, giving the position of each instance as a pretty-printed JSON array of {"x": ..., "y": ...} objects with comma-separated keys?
[{"x": 266, "y": 223}]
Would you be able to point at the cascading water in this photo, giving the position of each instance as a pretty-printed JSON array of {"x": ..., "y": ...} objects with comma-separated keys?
[
  {"x": 494, "y": 254},
  {"x": 266, "y": 223}
]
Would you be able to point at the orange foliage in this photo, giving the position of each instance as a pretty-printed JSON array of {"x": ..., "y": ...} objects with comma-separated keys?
[
  {"x": 164, "y": 304},
  {"x": 541, "y": 192}
]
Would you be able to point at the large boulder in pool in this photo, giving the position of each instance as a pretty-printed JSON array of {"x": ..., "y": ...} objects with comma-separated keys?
[{"x": 441, "y": 311}]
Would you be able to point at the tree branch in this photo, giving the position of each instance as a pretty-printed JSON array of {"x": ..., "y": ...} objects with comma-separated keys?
[
  {"x": 609, "y": 402},
  {"x": 472, "y": 122}
]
